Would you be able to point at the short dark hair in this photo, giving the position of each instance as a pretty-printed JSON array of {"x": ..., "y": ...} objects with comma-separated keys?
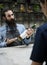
[
  {"x": 5, "y": 10},
  {"x": 42, "y": 1}
]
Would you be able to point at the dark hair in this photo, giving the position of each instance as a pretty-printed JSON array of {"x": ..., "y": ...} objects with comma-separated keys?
[
  {"x": 5, "y": 10},
  {"x": 42, "y": 1}
]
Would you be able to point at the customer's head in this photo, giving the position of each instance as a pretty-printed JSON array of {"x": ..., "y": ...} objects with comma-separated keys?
[
  {"x": 42, "y": 1},
  {"x": 43, "y": 4},
  {"x": 7, "y": 14}
]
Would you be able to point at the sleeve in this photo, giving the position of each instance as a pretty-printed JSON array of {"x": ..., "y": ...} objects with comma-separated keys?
[
  {"x": 2, "y": 42},
  {"x": 26, "y": 41},
  {"x": 38, "y": 51}
]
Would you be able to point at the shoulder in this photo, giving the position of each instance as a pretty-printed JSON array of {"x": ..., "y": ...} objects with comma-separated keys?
[
  {"x": 20, "y": 28},
  {"x": 43, "y": 27},
  {"x": 2, "y": 28},
  {"x": 20, "y": 25}
]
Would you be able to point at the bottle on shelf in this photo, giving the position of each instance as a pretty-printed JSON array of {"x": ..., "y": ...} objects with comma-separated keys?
[{"x": 22, "y": 8}]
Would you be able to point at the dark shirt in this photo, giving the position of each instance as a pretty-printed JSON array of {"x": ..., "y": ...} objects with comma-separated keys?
[{"x": 39, "y": 52}]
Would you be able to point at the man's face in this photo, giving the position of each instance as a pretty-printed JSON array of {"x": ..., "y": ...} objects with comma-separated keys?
[
  {"x": 44, "y": 8},
  {"x": 9, "y": 16}
]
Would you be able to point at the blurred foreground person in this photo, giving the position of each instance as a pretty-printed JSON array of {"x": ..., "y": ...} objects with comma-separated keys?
[{"x": 39, "y": 52}]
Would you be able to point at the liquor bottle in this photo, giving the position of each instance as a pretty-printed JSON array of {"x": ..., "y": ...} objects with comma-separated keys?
[{"x": 24, "y": 34}]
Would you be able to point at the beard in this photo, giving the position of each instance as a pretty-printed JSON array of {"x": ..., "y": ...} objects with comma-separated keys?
[{"x": 11, "y": 23}]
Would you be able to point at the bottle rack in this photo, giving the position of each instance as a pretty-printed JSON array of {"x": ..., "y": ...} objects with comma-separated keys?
[
  {"x": 26, "y": 12},
  {"x": 29, "y": 13}
]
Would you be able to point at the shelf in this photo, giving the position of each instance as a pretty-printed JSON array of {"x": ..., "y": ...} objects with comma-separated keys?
[
  {"x": 24, "y": 12},
  {"x": 30, "y": 16}
]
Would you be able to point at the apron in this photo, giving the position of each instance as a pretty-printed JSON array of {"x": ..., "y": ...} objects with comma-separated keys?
[{"x": 12, "y": 32}]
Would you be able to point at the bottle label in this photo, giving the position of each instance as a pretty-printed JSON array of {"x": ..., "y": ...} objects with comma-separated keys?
[{"x": 23, "y": 35}]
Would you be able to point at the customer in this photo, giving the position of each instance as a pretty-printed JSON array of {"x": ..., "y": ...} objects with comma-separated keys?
[
  {"x": 39, "y": 52},
  {"x": 11, "y": 30}
]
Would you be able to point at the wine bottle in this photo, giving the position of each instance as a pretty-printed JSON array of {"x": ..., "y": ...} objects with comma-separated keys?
[
  {"x": 24, "y": 34},
  {"x": 33, "y": 26}
]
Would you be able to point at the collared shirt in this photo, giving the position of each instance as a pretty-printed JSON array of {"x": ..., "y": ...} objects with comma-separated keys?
[{"x": 21, "y": 29}]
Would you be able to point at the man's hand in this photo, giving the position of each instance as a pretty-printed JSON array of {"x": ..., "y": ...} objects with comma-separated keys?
[
  {"x": 9, "y": 41},
  {"x": 35, "y": 63},
  {"x": 29, "y": 32}
]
